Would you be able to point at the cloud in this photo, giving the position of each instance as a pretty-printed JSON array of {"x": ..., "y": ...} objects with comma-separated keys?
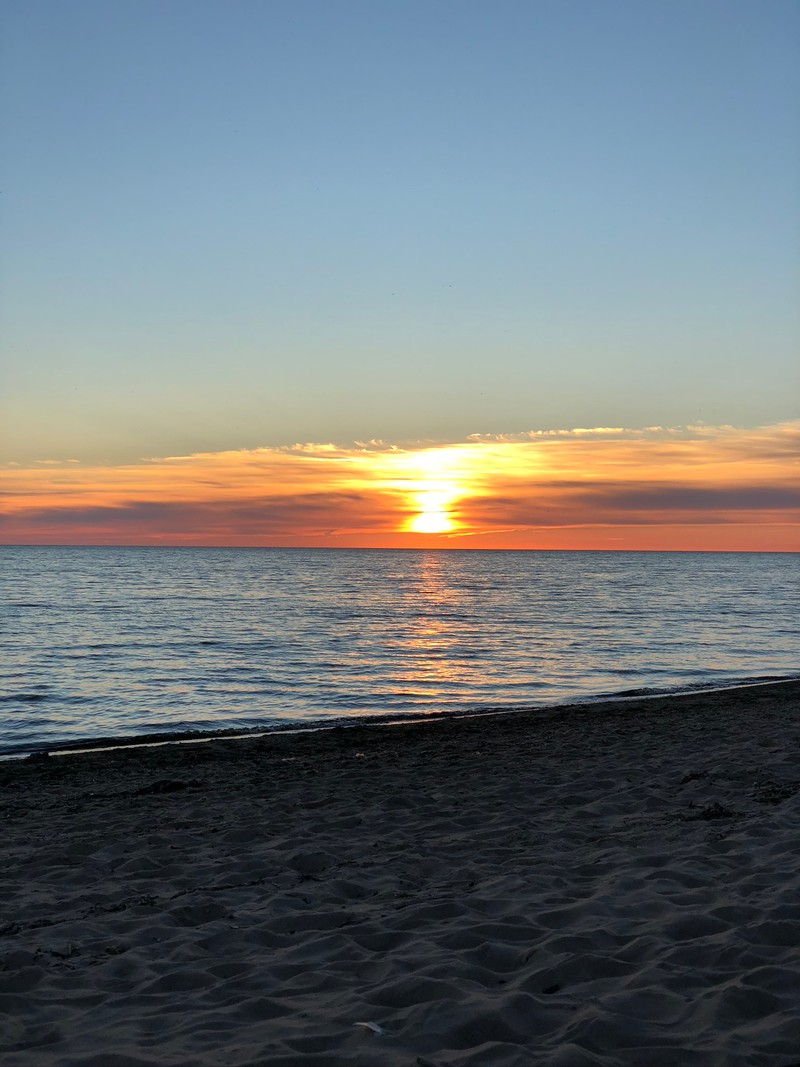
[
  {"x": 368, "y": 491},
  {"x": 311, "y": 514},
  {"x": 664, "y": 498}
]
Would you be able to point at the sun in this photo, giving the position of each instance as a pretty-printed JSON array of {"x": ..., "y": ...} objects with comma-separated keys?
[
  {"x": 431, "y": 483},
  {"x": 433, "y": 516},
  {"x": 431, "y": 522}
]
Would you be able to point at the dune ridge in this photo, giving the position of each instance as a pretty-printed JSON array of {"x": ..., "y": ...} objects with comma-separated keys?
[{"x": 613, "y": 884}]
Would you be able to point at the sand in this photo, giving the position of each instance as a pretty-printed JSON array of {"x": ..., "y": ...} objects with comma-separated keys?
[{"x": 613, "y": 884}]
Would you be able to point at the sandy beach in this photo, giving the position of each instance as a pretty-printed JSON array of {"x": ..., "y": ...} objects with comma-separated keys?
[{"x": 610, "y": 884}]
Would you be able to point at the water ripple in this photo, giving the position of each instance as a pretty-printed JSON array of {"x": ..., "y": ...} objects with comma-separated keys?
[{"x": 102, "y": 641}]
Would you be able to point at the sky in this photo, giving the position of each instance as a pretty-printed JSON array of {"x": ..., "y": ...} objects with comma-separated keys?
[{"x": 453, "y": 273}]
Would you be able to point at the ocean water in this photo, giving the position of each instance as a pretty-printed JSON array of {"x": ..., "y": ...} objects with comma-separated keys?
[{"x": 100, "y": 642}]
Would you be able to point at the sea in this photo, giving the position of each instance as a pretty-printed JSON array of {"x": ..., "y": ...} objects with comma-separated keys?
[{"x": 102, "y": 642}]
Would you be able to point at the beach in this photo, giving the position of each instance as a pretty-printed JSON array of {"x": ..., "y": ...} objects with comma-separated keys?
[{"x": 612, "y": 883}]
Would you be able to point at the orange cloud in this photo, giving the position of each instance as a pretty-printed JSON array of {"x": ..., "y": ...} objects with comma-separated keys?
[{"x": 609, "y": 487}]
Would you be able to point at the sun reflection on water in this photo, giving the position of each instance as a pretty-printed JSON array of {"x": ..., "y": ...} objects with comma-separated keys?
[{"x": 434, "y": 660}]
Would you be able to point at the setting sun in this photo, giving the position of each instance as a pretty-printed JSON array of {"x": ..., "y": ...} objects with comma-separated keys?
[
  {"x": 700, "y": 488},
  {"x": 433, "y": 517},
  {"x": 432, "y": 480}
]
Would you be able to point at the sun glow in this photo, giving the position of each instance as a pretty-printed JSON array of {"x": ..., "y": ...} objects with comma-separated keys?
[
  {"x": 432, "y": 481},
  {"x": 433, "y": 517},
  {"x": 685, "y": 489}
]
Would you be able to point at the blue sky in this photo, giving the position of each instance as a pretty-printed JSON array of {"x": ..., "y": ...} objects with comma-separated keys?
[{"x": 237, "y": 224}]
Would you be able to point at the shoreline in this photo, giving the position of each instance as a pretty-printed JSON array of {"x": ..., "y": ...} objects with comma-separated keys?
[
  {"x": 558, "y": 887},
  {"x": 112, "y": 742}
]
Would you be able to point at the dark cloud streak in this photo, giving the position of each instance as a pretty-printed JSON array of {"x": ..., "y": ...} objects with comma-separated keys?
[{"x": 314, "y": 513}]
